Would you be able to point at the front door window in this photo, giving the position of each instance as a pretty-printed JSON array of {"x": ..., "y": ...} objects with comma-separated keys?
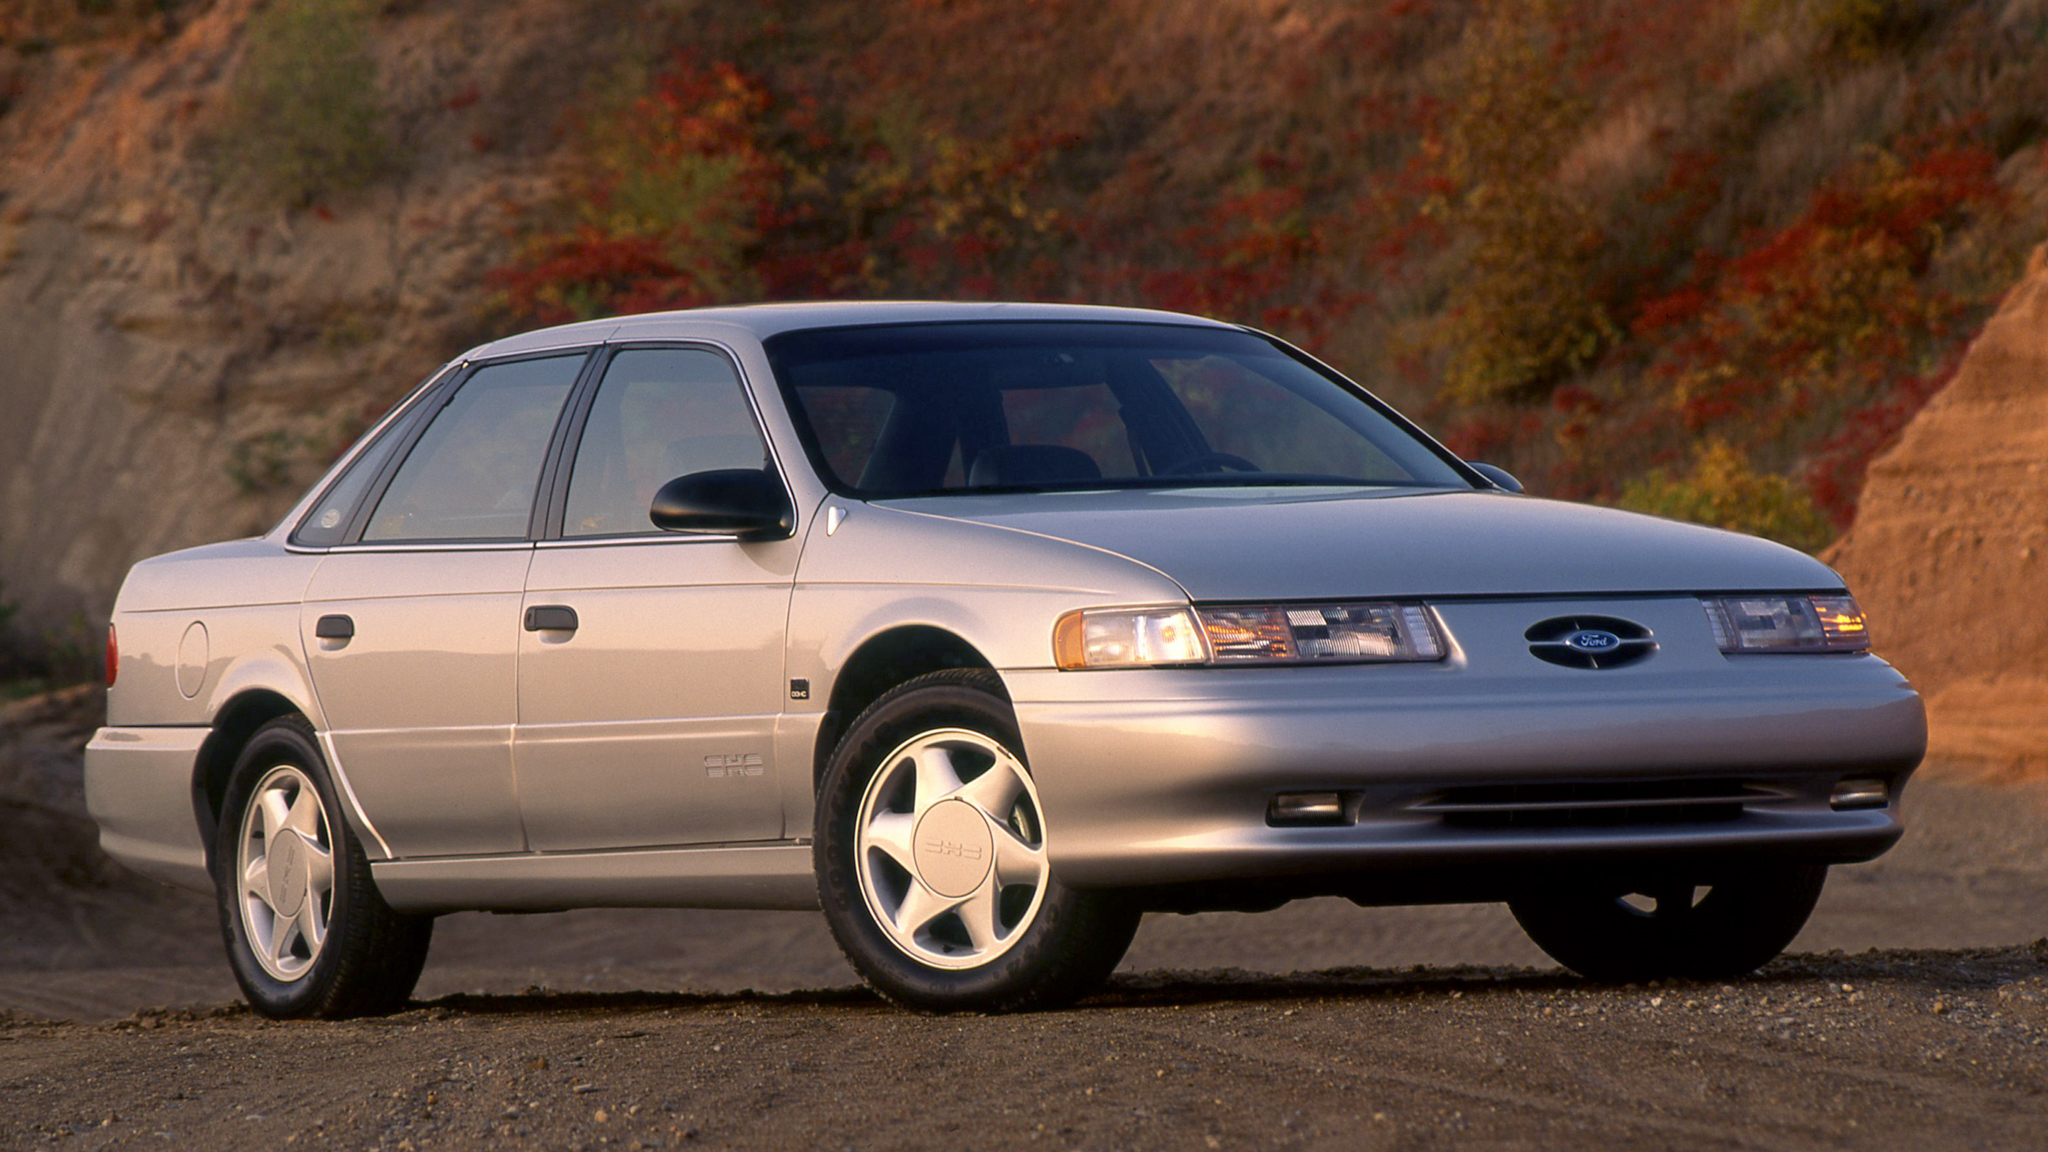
[{"x": 660, "y": 413}]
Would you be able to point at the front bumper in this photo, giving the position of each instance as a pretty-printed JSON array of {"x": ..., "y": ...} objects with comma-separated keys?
[{"x": 1163, "y": 777}]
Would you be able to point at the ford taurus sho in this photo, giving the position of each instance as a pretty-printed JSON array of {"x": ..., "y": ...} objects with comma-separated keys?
[{"x": 983, "y": 629}]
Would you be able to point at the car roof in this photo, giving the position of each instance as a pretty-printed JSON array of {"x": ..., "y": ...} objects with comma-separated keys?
[{"x": 765, "y": 320}]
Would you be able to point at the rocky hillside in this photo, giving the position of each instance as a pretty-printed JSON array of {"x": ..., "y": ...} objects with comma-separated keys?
[
  {"x": 177, "y": 355},
  {"x": 1698, "y": 257},
  {"x": 1949, "y": 553}
]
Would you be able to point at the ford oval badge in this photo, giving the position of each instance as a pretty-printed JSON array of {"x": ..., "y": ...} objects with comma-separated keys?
[{"x": 1593, "y": 640}]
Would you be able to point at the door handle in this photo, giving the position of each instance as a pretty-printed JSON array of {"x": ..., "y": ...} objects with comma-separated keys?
[
  {"x": 335, "y": 628},
  {"x": 551, "y": 618}
]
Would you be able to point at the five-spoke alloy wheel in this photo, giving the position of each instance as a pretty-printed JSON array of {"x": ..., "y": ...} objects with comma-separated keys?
[
  {"x": 931, "y": 858},
  {"x": 950, "y": 857},
  {"x": 307, "y": 933},
  {"x": 286, "y": 865}
]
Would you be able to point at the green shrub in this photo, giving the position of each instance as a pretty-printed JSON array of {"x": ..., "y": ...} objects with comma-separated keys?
[
  {"x": 304, "y": 119},
  {"x": 1852, "y": 29},
  {"x": 1525, "y": 314},
  {"x": 72, "y": 654},
  {"x": 1723, "y": 490},
  {"x": 15, "y": 664},
  {"x": 263, "y": 462}
]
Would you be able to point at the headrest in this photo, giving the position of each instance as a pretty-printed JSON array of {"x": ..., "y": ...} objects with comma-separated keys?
[{"x": 1015, "y": 465}]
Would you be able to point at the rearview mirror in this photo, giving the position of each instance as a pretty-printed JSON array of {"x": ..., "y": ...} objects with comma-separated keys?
[
  {"x": 1499, "y": 477},
  {"x": 745, "y": 502}
]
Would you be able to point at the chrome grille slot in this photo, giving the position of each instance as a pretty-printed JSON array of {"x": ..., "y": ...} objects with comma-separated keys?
[{"x": 1597, "y": 804}]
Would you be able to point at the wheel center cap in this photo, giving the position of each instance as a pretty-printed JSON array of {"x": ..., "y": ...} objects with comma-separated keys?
[
  {"x": 953, "y": 847},
  {"x": 287, "y": 859}
]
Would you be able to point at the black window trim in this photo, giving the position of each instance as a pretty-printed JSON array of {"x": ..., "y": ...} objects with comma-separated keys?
[
  {"x": 432, "y": 406},
  {"x": 562, "y": 459}
]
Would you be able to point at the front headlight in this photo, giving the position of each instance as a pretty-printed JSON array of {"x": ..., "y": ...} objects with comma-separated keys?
[
  {"x": 1321, "y": 633},
  {"x": 1246, "y": 634},
  {"x": 1127, "y": 638},
  {"x": 1787, "y": 623}
]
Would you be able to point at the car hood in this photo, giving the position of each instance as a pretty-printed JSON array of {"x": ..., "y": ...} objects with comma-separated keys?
[{"x": 1270, "y": 544}]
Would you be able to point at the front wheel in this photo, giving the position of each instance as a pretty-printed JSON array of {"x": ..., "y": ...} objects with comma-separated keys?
[
  {"x": 1705, "y": 929},
  {"x": 307, "y": 932},
  {"x": 931, "y": 859}
]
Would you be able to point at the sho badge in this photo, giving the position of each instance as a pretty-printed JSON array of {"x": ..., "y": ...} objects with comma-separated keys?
[
  {"x": 739, "y": 764},
  {"x": 952, "y": 848}
]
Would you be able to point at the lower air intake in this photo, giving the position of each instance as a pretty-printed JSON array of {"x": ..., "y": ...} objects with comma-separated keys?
[{"x": 1597, "y": 804}]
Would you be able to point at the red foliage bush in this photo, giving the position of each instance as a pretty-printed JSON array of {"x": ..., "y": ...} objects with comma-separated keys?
[
  {"x": 1807, "y": 343},
  {"x": 714, "y": 187},
  {"x": 1659, "y": 269}
]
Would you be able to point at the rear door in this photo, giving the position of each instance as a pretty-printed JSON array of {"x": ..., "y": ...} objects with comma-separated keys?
[
  {"x": 651, "y": 664},
  {"x": 411, "y": 624}
]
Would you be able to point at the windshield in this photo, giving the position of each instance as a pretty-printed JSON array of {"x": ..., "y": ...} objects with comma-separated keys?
[{"x": 933, "y": 409}]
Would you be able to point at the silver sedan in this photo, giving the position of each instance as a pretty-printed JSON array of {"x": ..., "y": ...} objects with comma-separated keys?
[{"x": 985, "y": 629}]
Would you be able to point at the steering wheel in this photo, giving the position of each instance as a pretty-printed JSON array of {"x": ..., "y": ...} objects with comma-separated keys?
[{"x": 1212, "y": 462}]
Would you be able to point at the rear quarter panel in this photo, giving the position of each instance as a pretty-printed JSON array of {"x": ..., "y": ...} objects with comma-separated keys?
[
  {"x": 244, "y": 597},
  {"x": 195, "y": 630}
]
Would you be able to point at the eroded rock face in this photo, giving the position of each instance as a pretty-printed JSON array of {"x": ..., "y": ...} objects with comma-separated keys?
[
  {"x": 1946, "y": 554},
  {"x": 177, "y": 359}
]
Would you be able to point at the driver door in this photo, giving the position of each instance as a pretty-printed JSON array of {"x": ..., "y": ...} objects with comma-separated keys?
[{"x": 651, "y": 664}]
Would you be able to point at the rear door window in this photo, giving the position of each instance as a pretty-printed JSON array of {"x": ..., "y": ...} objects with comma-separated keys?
[
  {"x": 327, "y": 524},
  {"x": 473, "y": 473}
]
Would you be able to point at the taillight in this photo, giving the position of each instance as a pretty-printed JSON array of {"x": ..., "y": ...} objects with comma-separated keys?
[{"x": 113, "y": 657}]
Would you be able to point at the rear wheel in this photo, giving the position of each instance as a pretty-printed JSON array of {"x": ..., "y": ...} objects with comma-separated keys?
[
  {"x": 307, "y": 932},
  {"x": 1702, "y": 929},
  {"x": 931, "y": 859}
]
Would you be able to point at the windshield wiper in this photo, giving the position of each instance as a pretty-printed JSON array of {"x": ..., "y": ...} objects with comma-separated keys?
[
  {"x": 1267, "y": 480},
  {"x": 1160, "y": 483}
]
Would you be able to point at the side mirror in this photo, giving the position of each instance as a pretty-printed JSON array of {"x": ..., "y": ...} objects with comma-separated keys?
[
  {"x": 1500, "y": 477},
  {"x": 745, "y": 502}
]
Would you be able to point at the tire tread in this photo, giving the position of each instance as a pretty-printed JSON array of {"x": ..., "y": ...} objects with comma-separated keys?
[
  {"x": 1741, "y": 926},
  {"x": 378, "y": 952}
]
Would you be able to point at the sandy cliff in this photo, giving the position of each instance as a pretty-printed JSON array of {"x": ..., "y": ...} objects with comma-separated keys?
[{"x": 1947, "y": 553}]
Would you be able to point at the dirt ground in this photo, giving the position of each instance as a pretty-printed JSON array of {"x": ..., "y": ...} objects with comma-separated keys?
[{"x": 1913, "y": 1012}]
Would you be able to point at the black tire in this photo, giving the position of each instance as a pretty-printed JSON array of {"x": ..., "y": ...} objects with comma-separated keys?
[
  {"x": 1740, "y": 923},
  {"x": 370, "y": 956},
  {"x": 1066, "y": 951}
]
